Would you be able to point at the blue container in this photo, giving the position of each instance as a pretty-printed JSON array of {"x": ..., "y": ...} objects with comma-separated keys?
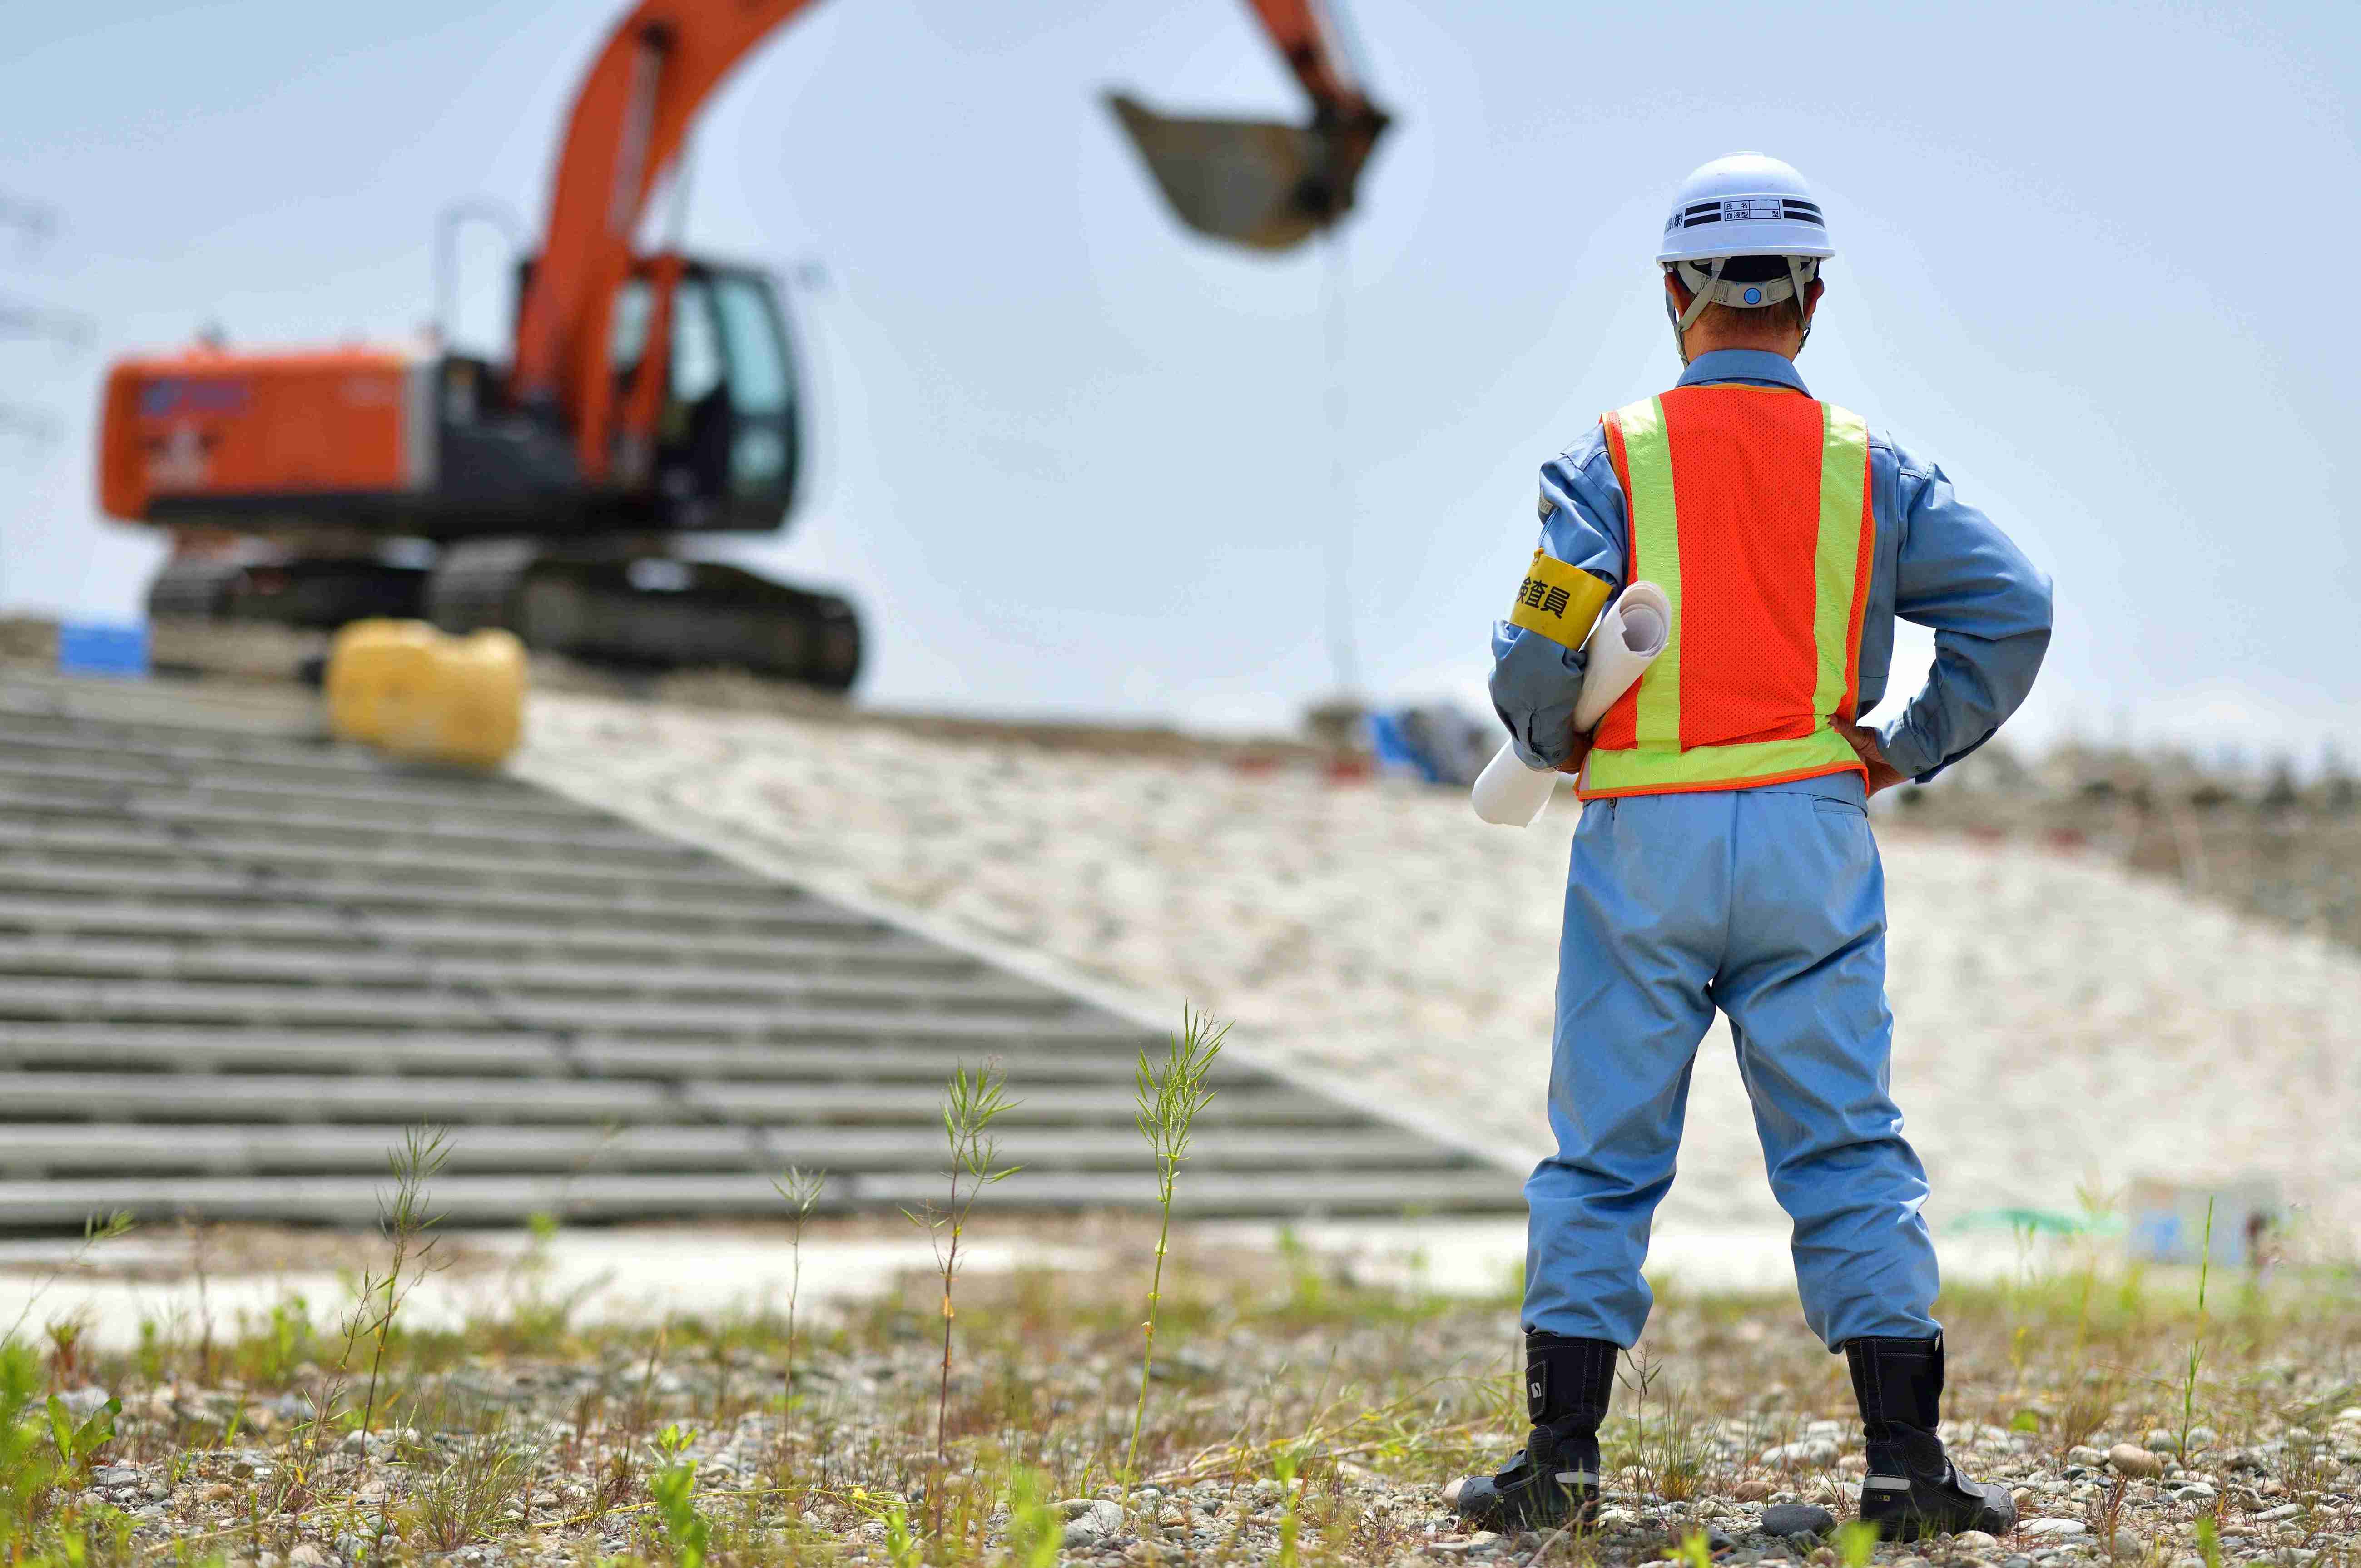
[{"x": 91, "y": 650}]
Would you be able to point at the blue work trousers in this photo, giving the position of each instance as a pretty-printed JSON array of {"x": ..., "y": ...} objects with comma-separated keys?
[{"x": 1770, "y": 905}]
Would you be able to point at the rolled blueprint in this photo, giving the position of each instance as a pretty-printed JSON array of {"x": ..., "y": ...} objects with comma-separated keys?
[
  {"x": 1507, "y": 794},
  {"x": 1624, "y": 643},
  {"x": 1628, "y": 638}
]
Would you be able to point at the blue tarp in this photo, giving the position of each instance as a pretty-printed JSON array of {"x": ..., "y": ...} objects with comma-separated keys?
[{"x": 85, "y": 648}]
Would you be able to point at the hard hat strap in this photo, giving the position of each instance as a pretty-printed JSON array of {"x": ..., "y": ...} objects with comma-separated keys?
[
  {"x": 1706, "y": 287},
  {"x": 1801, "y": 272}
]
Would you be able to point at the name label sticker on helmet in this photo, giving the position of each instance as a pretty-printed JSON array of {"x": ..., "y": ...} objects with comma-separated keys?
[
  {"x": 1558, "y": 601},
  {"x": 1747, "y": 207}
]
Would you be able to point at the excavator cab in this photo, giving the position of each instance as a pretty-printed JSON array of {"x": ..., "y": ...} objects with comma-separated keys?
[{"x": 724, "y": 448}]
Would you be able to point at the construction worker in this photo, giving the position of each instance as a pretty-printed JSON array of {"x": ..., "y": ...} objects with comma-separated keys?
[{"x": 1724, "y": 858}]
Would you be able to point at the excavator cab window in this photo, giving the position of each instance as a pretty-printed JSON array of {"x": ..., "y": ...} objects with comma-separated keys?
[
  {"x": 763, "y": 401},
  {"x": 726, "y": 440}
]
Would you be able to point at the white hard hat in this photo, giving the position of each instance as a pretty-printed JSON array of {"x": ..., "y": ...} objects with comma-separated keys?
[{"x": 1744, "y": 204}]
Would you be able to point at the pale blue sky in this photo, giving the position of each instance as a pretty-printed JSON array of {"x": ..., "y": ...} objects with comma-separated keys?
[{"x": 1073, "y": 460}]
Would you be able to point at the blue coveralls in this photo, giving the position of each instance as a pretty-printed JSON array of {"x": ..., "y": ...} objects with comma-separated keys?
[{"x": 1768, "y": 902}]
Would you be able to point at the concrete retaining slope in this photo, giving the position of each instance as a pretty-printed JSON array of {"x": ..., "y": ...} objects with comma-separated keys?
[{"x": 237, "y": 960}]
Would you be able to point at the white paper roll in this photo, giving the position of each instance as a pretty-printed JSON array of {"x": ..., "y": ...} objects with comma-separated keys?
[
  {"x": 1507, "y": 794},
  {"x": 1625, "y": 642},
  {"x": 1622, "y": 645}
]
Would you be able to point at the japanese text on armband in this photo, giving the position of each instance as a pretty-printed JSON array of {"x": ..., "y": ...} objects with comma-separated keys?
[{"x": 1559, "y": 601}]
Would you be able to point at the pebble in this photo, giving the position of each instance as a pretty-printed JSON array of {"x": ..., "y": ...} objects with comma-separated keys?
[
  {"x": 2130, "y": 1458},
  {"x": 309, "y": 1554},
  {"x": 1090, "y": 1522},
  {"x": 2284, "y": 1511},
  {"x": 2083, "y": 1454},
  {"x": 1751, "y": 1491},
  {"x": 1797, "y": 1519},
  {"x": 2052, "y": 1528},
  {"x": 1973, "y": 1540},
  {"x": 1795, "y": 1455},
  {"x": 2127, "y": 1544}
]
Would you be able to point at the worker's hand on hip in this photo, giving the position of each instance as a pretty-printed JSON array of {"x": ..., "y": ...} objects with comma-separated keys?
[
  {"x": 1575, "y": 759},
  {"x": 1883, "y": 774}
]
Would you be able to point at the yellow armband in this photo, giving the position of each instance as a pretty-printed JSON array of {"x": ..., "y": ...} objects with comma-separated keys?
[{"x": 1559, "y": 601}]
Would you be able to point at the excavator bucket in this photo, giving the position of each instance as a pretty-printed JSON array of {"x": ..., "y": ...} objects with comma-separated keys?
[{"x": 1260, "y": 184}]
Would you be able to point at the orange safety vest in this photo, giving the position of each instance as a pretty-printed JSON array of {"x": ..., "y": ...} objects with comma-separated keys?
[{"x": 1749, "y": 506}]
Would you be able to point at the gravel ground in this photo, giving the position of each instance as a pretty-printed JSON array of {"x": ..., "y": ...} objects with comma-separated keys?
[
  {"x": 1277, "y": 1399},
  {"x": 2063, "y": 1025}
]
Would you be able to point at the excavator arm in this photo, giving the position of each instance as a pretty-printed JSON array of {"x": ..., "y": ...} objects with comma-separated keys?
[{"x": 1263, "y": 185}]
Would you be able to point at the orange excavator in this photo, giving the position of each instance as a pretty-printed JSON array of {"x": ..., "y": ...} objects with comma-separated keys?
[{"x": 647, "y": 396}]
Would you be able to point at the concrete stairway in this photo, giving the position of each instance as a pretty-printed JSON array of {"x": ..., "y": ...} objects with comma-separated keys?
[{"x": 237, "y": 960}]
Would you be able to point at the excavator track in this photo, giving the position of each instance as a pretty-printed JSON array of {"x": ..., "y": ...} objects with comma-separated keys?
[{"x": 648, "y": 612}]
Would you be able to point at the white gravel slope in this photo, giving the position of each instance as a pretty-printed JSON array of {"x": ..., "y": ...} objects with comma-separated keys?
[{"x": 2060, "y": 1023}]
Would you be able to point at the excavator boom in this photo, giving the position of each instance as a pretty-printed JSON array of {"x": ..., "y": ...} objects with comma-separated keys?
[{"x": 630, "y": 119}]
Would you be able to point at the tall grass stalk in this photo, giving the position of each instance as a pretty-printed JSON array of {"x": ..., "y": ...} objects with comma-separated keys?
[
  {"x": 972, "y": 1102},
  {"x": 1169, "y": 1095},
  {"x": 2197, "y": 1335},
  {"x": 800, "y": 1189},
  {"x": 404, "y": 1217}
]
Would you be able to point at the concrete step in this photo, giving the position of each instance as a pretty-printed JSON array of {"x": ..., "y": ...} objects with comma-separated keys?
[
  {"x": 237, "y": 962},
  {"x": 499, "y": 1199},
  {"x": 64, "y": 875},
  {"x": 375, "y": 827},
  {"x": 425, "y": 1005},
  {"x": 893, "y": 983},
  {"x": 418, "y": 1098},
  {"x": 123, "y": 1147},
  {"x": 1101, "y": 1056},
  {"x": 874, "y": 948}
]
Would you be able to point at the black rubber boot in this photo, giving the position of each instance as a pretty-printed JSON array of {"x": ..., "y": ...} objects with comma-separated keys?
[
  {"x": 1555, "y": 1480},
  {"x": 1913, "y": 1489}
]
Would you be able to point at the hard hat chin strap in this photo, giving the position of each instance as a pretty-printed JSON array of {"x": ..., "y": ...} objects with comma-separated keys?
[{"x": 1706, "y": 287}]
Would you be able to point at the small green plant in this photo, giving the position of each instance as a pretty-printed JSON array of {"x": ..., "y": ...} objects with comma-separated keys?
[
  {"x": 1854, "y": 1542},
  {"x": 78, "y": 1442},
  {"x": 1170, "y": 1095},
  {"x": 462, "y": 1503},
  {"x": 2209, "y": 1541},
  {"x": 900, "y": 1545},
  {"x": 800, "y": 1189},
  {"x": 972, "y": 1102},
  {"x": 2197, "y": 1335},
  {"x": 403, "y": 1216},
  {"x": 1285, "y": 1465},
  {"x": 1671, "y": 1449},
  {"x": 1694, "y": 1550},
  {"x": 672, "y": 1485},
  {"x": 1035, "y": 1530},
  {"x": 97, "y": 1230}
]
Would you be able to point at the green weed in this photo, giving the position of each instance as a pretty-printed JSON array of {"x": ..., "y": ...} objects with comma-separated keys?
[{"x": 1170, "y": 1095}]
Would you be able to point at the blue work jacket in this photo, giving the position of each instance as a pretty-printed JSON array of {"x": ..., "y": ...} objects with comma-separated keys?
[{"x": 1939, "y": 563}]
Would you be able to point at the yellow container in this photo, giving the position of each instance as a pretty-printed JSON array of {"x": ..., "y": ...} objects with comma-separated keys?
[{"x": 405, "y": 688}]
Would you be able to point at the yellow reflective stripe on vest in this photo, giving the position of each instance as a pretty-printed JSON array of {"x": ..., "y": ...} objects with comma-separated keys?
[
  {"x": 1844, "y": 469},
  {"x": 1711, "y": 767},
  {"x": 1656, "y": 761},
  {"x": 1655, "y": 546}
]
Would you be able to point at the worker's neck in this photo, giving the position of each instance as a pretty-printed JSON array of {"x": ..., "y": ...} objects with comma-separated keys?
[{"x": 1704, "y": 339}]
